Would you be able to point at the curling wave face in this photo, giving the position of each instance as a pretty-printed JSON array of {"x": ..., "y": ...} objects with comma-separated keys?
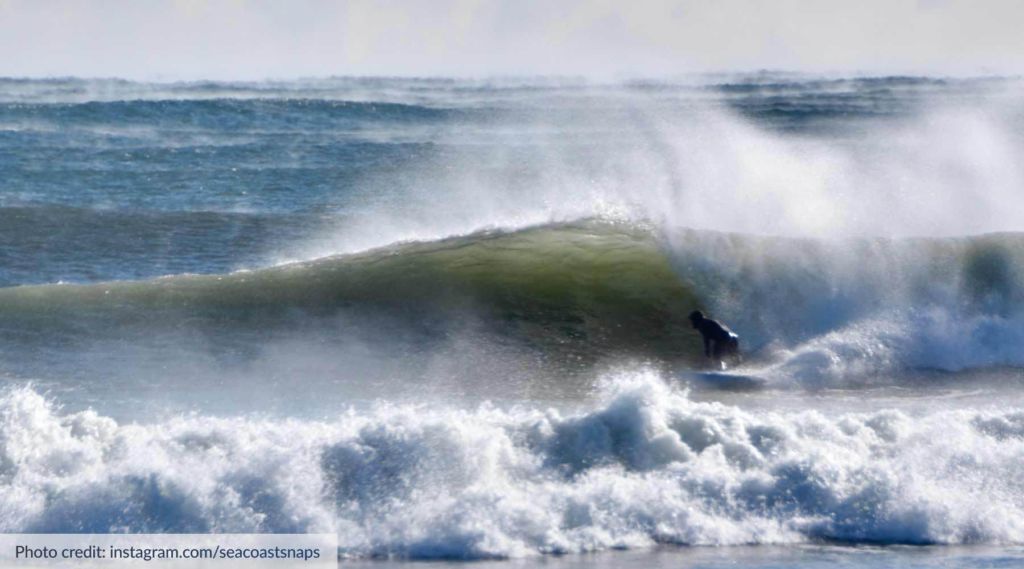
[
  {"x": 643, "y": 465},
  {"x": 577, "y": 289}
]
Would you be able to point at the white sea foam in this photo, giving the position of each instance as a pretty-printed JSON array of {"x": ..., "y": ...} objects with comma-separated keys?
[
  {"x": 877, "y": 350},
  {"x": 643, "y": 465}
]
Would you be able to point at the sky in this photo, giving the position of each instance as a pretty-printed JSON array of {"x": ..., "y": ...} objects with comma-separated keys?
[{"x": 260, "y": 39}]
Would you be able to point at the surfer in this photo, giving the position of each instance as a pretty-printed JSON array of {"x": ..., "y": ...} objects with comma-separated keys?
[{"x": 719, "y": 341}]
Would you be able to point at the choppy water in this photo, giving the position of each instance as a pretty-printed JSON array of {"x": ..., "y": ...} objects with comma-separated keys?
[{"x": 447, "y": 318}]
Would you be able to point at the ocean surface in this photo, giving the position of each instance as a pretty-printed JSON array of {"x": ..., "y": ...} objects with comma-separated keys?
[{"x": 446, "y": 318}]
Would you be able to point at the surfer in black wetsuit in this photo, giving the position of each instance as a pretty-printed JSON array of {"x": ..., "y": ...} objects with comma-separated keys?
[{"x": 719, "y": 341}]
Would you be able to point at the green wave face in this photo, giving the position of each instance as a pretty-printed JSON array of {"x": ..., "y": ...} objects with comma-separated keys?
[
  {"x": 573, "y": 294},
  {"x": 586, "y": 291}
]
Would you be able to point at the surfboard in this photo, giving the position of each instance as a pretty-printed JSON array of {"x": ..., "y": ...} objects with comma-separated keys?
[{"x": 724, "y": 380}]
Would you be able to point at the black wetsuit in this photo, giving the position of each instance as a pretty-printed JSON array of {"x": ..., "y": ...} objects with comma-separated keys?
[{"x": 726, "y": 343}]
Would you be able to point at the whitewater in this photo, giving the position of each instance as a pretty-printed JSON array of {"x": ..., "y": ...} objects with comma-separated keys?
[{"x": 447, "y": 319}]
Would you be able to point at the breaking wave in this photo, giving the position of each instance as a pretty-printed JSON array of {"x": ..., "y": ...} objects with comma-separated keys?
[
  {"x": 642, "y": 466},
  {"x": 811, "y": 311}
]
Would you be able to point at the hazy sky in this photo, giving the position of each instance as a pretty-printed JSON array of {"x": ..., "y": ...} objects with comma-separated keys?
[{"x": 251, "y": 39}]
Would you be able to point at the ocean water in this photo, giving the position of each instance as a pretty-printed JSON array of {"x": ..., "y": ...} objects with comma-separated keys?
[{"x": 446, "y": 318}]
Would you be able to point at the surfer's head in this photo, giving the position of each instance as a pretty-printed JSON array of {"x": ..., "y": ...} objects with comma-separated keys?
[{"x": 695, "y": 317}]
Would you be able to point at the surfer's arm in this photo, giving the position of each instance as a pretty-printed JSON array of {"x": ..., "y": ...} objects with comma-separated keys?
[{"x": 707, "y": 347}]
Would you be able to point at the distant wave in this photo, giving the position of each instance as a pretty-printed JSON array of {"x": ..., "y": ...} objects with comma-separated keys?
[
  {"x": 133, "y": 244},
  {"x": 212, "y": 112},
  {"x": 433, "y": 89},
  {"x": 643, "y": 466}
]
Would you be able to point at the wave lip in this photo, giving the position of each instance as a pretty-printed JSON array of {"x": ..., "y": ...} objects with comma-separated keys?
[{"x": 644, "y": 466}]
